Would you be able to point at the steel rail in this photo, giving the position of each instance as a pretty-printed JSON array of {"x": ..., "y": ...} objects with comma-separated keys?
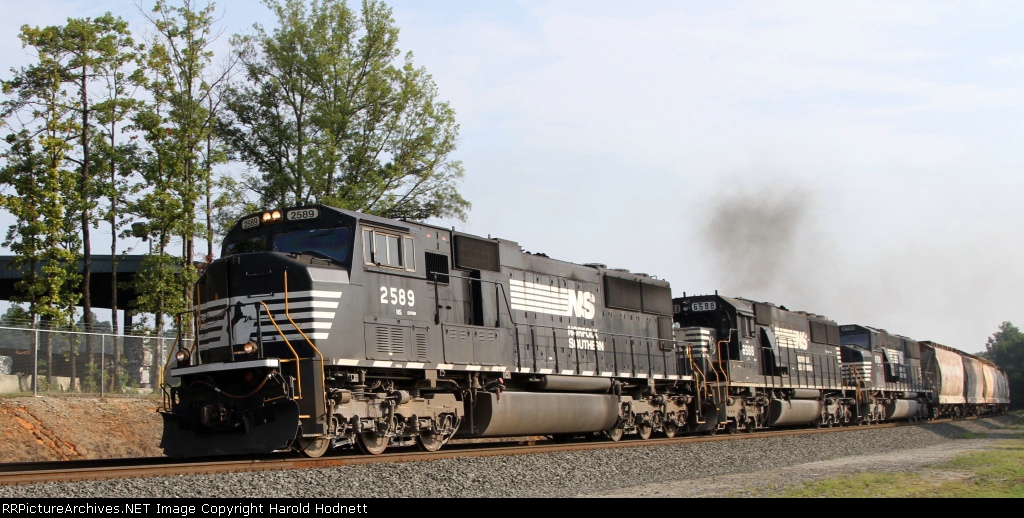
[{"x": 105, "y": 469}]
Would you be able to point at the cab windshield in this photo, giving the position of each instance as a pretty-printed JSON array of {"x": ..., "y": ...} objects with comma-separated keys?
[
  {"x": 859, "y": 340},
  {"x": 330, "y": 242},
  {"x": 327, "y": 242}
]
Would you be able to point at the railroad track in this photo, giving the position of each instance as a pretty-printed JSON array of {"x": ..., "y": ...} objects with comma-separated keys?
[{"x": 81, "y": 470}]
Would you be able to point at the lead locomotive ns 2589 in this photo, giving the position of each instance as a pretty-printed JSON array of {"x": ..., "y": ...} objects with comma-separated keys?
[{"x": 321, "y": 328}]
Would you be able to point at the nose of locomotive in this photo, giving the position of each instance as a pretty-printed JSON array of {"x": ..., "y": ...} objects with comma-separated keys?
[{"x": 237, "y": 296}]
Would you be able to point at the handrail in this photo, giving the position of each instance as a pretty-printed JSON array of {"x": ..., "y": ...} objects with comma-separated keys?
[
  {"x": 517, "y": 325},
  {"x": 298, "y": 372},
  {"x": 722, "y": 376},
  {"x": 504, "y": 298},
  {"x": 161, "y": 380},
  {"x": 700, "y": 382},
  {"x": 199, "y": 318},
  {"x": 323, "y": 375}
]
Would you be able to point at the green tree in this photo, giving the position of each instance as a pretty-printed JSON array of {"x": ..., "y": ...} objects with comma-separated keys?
[
  {"x": 124, "y": 77},
  {"x": 177, "y": 125},
  {"x": 330, "y": 112},
  {"x": 44, "y": 177},
  {"x": 16, "y": 316},
  {"x": 95, "y": 47},
  {"x": 179, "y": 55},
  {"x": 1006, "y": 349}
]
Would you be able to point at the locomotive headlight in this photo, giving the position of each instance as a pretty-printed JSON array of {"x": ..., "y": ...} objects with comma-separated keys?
[
  {"x": 271, "y": 217},
  {"x": 249, "y": 347},
  {"x": 181, "y": 356}
]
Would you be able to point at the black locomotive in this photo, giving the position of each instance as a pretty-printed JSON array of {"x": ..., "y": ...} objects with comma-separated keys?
[{"x": 320, "y": 328}]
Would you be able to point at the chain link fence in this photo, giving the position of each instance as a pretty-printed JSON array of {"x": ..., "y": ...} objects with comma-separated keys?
[{"x": 53, "y": 361}]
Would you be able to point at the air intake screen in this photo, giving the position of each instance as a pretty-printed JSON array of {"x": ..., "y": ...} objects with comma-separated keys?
[
  {"x": 476, "y": 254},
  {"x": 656, "y": 299},
  {"x": 818, "y": 333},
  {"x": 622, "y": 294},
  {"x": 437, "y": 267},
  {"x": 763, "y": 314},
  {"x": 832, "y": 334}
]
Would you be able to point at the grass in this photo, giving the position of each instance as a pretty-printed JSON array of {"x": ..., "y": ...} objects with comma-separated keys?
[{"x": 997, "y": 472}]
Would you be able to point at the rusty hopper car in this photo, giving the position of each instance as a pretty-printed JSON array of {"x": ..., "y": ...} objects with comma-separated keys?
[
  {"x": 996, "y": 394},
  {"x": 963, "y": 384},
  {"x": 762, "y": 365},
  {"x": 943, "y": 369},
  {"x": 320, "y": 327}
]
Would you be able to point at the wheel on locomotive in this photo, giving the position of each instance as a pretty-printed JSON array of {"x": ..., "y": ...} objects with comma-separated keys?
[
  {"x": 429, "y": 441},
  {"x": 313, "y": 447},
  {"x": 615, "y": 434}
]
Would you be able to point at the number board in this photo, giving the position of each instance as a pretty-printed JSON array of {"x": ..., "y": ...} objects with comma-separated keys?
[
  {"x": 702, "y": 306},
  {"x": 250, "y": 222},
  {"x": 300, "y": 214}
]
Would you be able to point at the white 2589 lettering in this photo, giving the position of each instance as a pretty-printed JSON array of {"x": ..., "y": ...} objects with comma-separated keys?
[{"x": 397, "y": 296}]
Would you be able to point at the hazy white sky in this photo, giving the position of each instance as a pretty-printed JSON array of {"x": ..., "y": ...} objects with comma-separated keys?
[{"x": 860, "y": 160}]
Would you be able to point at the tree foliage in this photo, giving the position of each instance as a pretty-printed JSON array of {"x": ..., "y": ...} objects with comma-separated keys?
[
  {"x": 1006, "y": 349},
  {"x": 331, "y": 112},
  {"x": 42, "y": 185}
]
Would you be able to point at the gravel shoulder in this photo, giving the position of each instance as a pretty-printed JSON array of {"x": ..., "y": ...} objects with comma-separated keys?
[
  {"x": 766, "y": 483},
  {"x": 948, "y": 441}
]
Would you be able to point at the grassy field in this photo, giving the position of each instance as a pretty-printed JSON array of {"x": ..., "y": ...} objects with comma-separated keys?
[{"x": 997, "y": 472}]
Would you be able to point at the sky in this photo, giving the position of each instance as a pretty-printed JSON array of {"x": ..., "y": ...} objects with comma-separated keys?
[{"x": 858, "y": 160}]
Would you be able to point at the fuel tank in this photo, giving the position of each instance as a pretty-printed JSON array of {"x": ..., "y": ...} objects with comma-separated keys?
[
  {"x": 901, "y": 409},
  {"x": 527, "y": 413},
  {"x": 793, "y": 412},
  {"x": 574, "y": 383}
]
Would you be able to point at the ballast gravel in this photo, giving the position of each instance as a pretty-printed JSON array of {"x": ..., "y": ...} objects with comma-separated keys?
[{"x": 723, "y": 469}]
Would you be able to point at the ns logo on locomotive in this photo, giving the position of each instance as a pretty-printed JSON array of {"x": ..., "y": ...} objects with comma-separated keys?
[{"x": 321, "y": 328}]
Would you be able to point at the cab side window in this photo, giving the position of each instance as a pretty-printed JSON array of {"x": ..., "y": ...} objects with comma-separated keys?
[{"x": 388, "y": 249}]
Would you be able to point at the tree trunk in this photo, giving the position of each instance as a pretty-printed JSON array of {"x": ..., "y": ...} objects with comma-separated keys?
[{"x": 86, "y": 244}]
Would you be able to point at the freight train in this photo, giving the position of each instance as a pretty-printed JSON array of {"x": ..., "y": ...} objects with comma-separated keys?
[{"x": 320, "y": 328}]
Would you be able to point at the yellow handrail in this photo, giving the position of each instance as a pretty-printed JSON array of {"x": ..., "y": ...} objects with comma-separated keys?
[
  {"x": 323, "y": 375},
  {"x": 298, "y": 371}
]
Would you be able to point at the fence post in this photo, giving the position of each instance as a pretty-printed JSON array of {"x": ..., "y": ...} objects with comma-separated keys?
[
  {"x": 35, "y": 361},
  {"x": 103, "y": 363}
]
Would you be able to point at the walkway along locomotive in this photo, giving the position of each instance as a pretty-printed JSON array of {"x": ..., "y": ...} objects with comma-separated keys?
[{"x": 321, "y": 328}]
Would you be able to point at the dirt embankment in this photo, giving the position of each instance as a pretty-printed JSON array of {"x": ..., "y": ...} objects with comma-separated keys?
[{"x": 69, "y": 428}]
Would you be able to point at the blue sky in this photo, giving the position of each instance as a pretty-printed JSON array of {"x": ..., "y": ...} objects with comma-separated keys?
[{"x": 860, "y": 160}]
